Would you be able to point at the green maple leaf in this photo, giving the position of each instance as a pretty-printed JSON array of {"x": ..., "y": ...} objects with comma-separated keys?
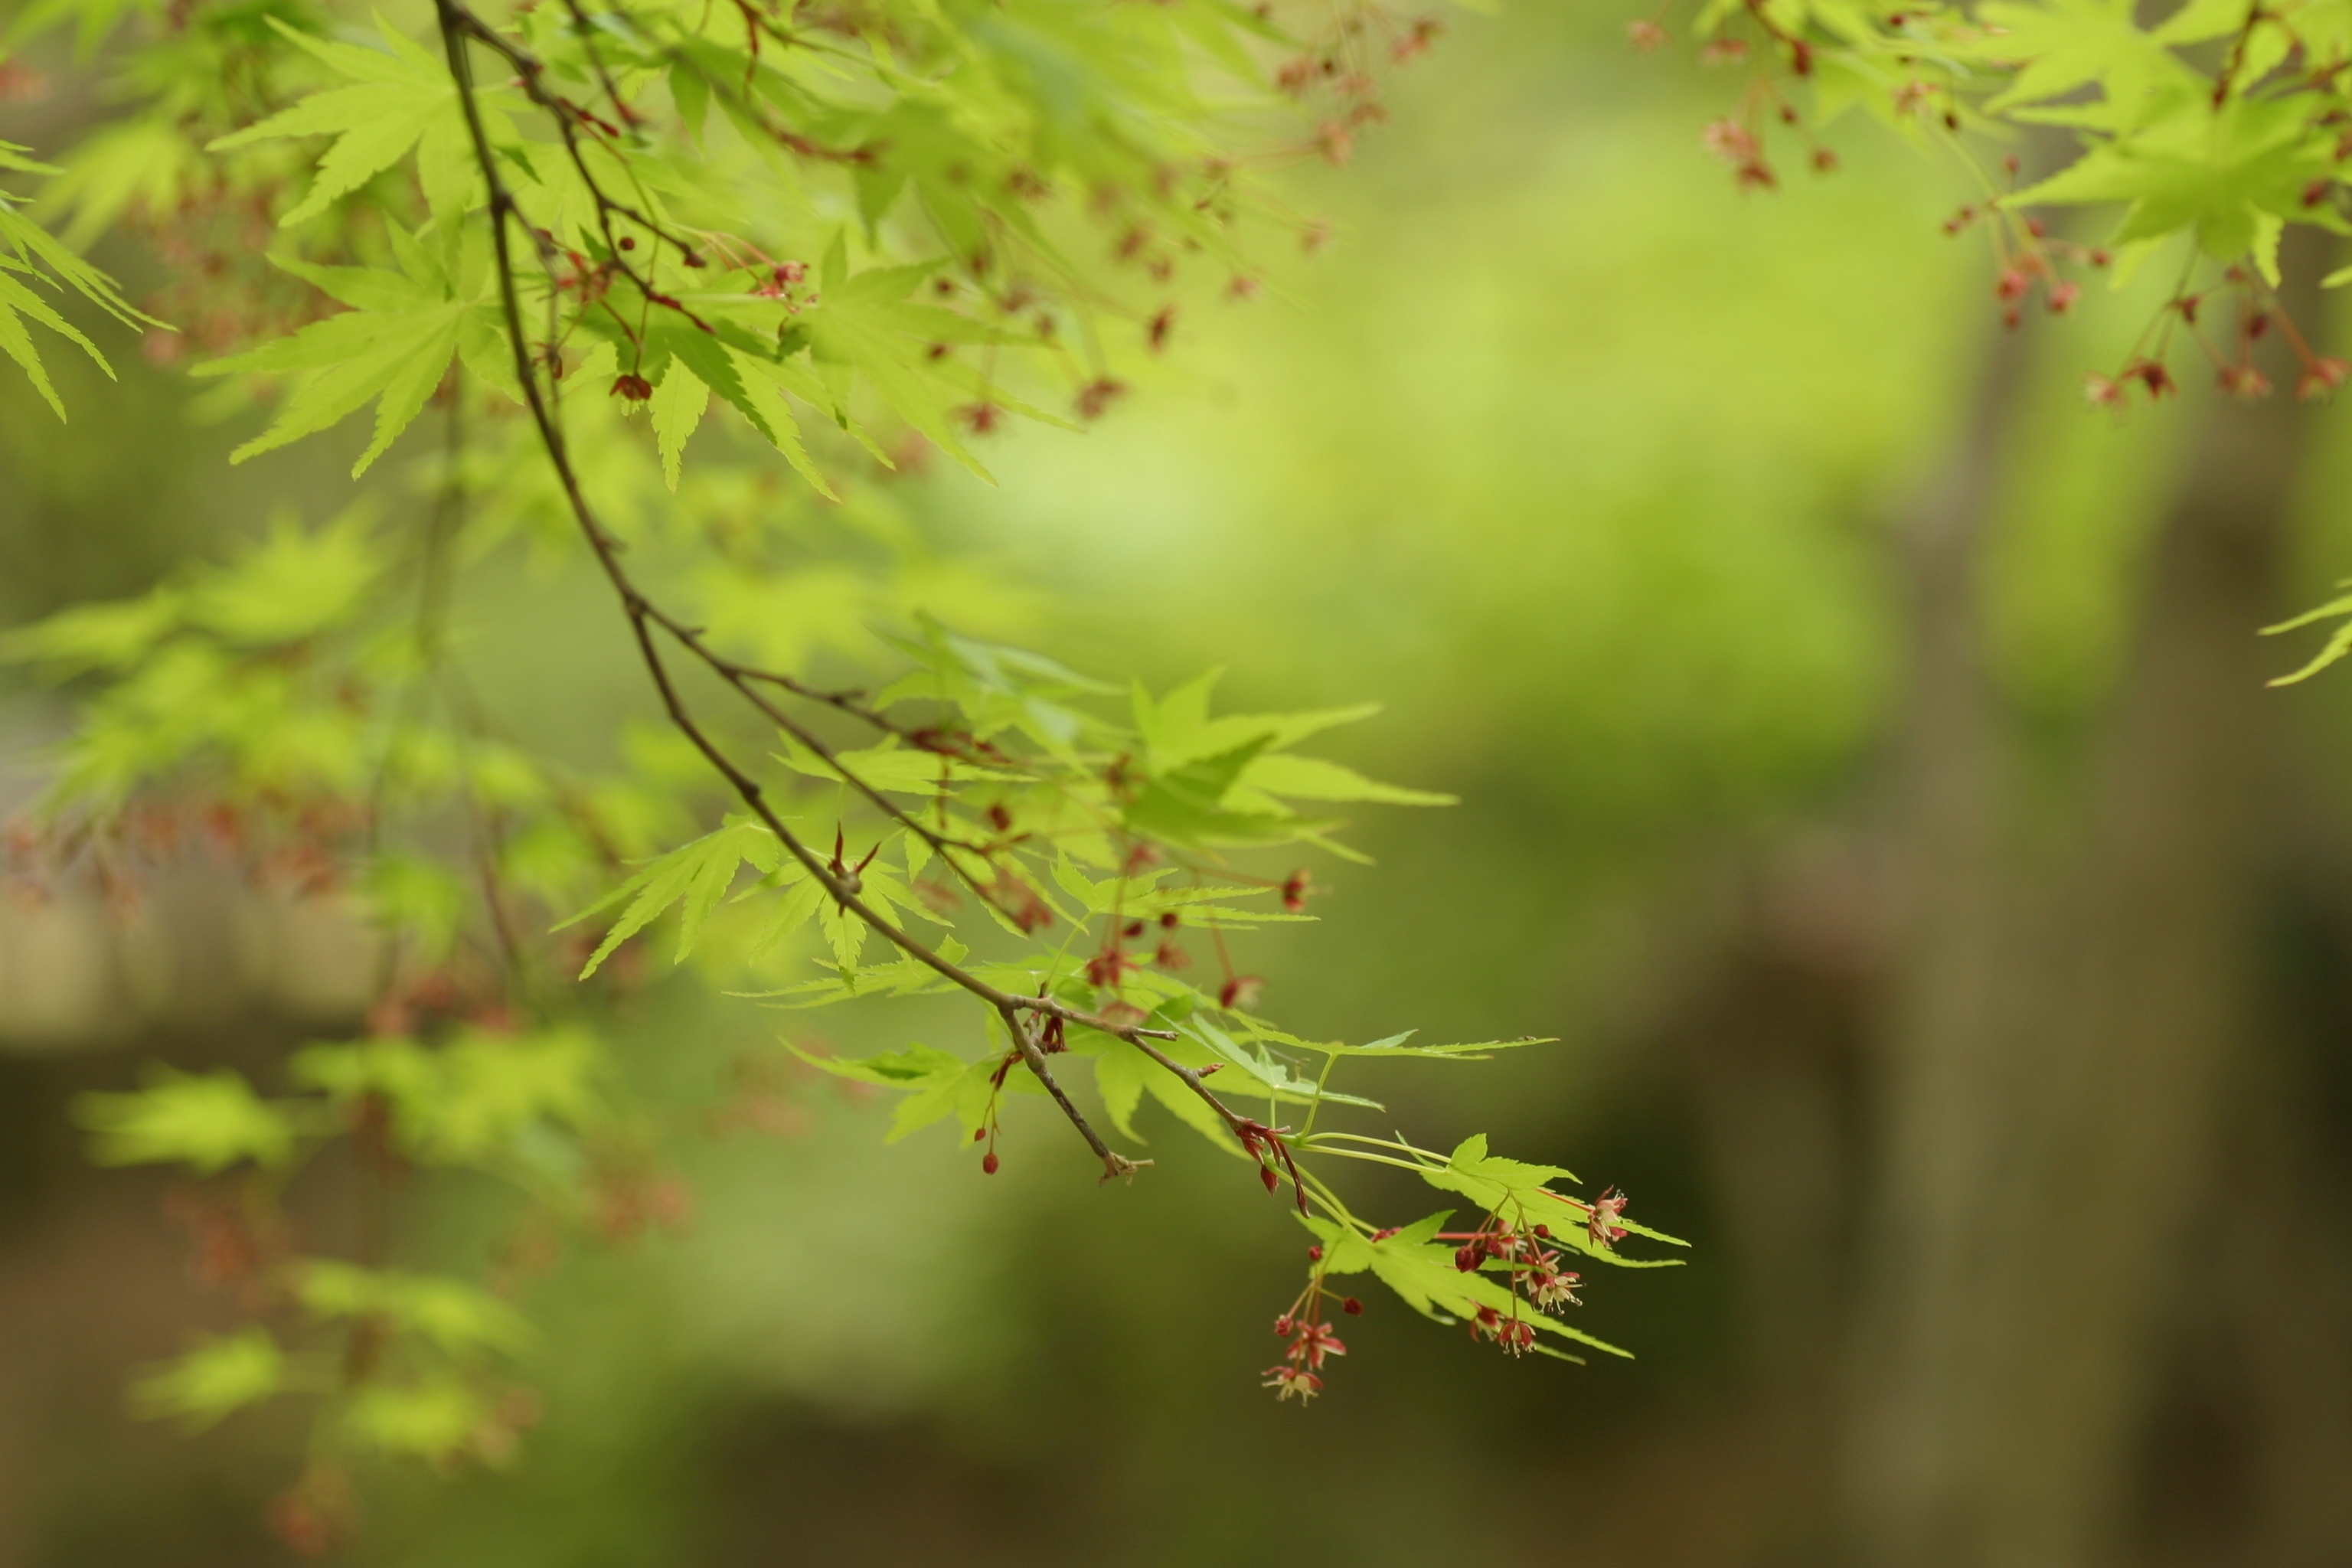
[
  {"x": 29, "y": 251},
  {"x": 697, "y": 873},
  {"x": 398, "y": 94},
  {"x": 2070, "y": 43},
  {"x": 2231, "y": 176},
  {"x": 394, "y": 345}
]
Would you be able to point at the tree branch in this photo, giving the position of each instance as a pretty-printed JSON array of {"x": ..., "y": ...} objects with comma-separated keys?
[{"x": 456, "y": 26}]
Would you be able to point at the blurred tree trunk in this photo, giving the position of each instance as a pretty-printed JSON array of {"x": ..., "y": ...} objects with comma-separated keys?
[{"x": 2061, "y": 1031}]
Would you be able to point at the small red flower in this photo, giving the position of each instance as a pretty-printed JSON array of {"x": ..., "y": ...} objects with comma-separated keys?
[
  {"x": 1290, "y": 1381},
  {"x": 2244, "y": 380},
  {"x": 2153, "y": 375},
  {"x": 1600, "y": 1224},
  {"x": 1099, "y": 394},
  {"x": 2320, "y": 377}
]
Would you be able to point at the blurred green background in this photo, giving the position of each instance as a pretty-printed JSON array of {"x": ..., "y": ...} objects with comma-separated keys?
[{"x": 1865, "y": 773}]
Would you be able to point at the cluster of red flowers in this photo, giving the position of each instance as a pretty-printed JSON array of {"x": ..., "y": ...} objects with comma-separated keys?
[
  {"x": 1311, "y": 1339},
  {"x": 1530, "y": 1268},
  {"x": 2234, "y": 371}
]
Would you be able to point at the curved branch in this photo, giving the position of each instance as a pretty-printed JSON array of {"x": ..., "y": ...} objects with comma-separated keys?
[{"x": 456, "y": 26}]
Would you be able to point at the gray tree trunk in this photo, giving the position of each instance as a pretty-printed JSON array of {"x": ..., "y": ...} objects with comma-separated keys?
[{"x": 2060, "y": 1032}]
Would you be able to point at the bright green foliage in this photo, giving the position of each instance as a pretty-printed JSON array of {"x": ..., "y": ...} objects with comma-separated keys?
[
  {"x": 31, "y": 259},
  {"x": 2339, "y": 641},
  {"x": 2210, "y": 128},
  {"x": 498, "y": 1102},
  {"x": 543, "y": 248},
  {"x": 208, "y": 1122},
  {"x": 220, "y": 1377},
  {"x": 448, "y": 1314}
]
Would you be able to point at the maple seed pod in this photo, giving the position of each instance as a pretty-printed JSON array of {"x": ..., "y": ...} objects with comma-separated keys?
[
  {"x": 988, "y": 1163},
  {"x": 1352, "y": 1307}
]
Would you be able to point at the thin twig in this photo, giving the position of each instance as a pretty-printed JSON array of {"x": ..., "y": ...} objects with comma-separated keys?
[{"x": 456, "y": 26}]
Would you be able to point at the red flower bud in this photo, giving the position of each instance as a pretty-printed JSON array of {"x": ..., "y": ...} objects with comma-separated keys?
[
  {"x": 1294, "y": 891},
  {"x": 988, "y": 1163},
  {"x": 1352, "y": 1307},
  {"x": 632, "y": 386}
]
